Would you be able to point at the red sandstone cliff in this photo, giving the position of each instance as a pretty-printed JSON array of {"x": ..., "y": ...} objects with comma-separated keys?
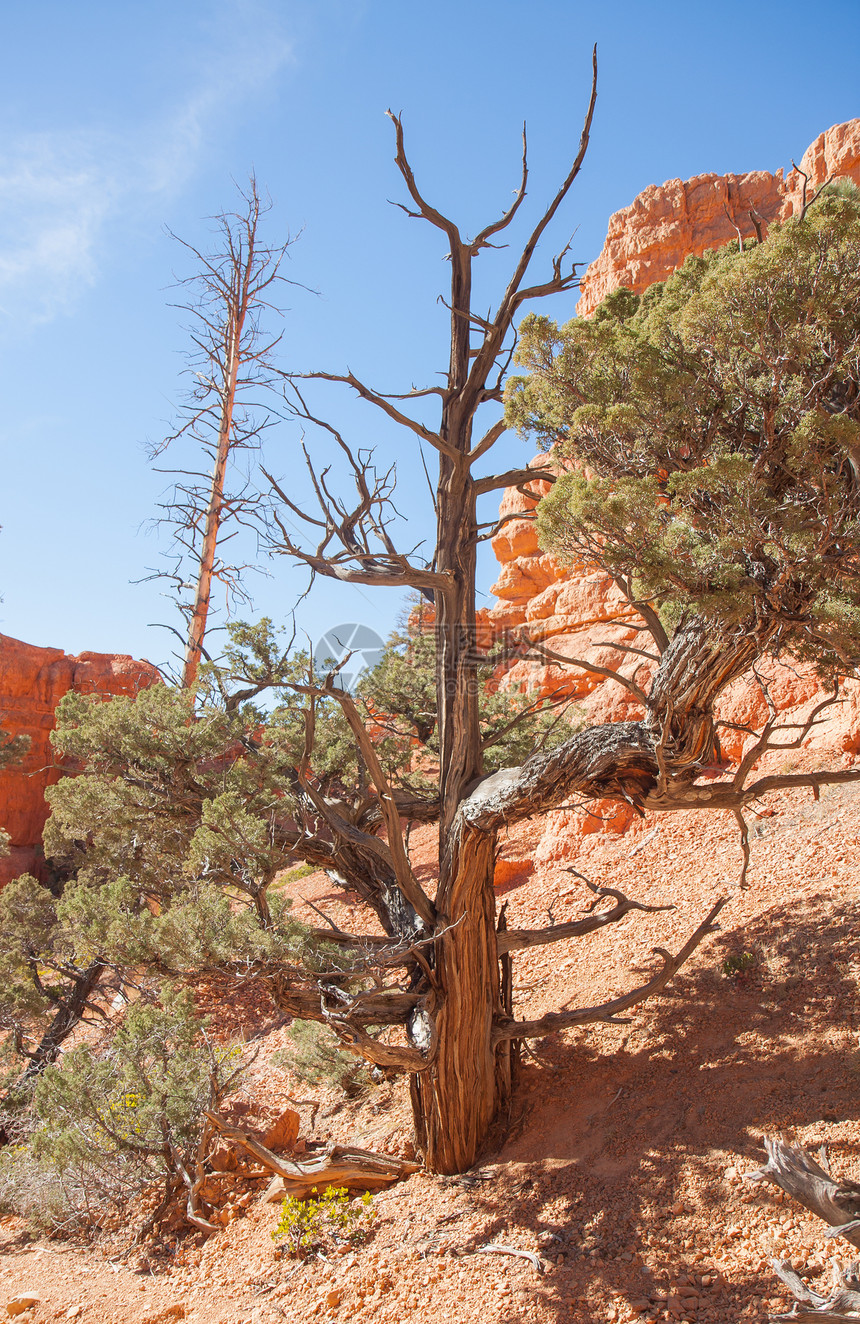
[
  {"x": 666, "y": 222},
  {"x": 32, "y": 682}
]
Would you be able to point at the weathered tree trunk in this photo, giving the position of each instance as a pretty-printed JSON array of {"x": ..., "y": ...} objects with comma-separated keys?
[
  {"x": 456, "y": 1100},
  {"x": 468, "y": 1082}
]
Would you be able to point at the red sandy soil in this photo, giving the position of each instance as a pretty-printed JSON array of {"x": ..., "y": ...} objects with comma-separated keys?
[{"x": 622, "y": 1163}]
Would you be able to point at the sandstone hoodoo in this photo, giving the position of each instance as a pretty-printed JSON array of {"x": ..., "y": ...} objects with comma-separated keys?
[
  {"x": 667, "y": 222},
  {"x": 32, "y": 682}
]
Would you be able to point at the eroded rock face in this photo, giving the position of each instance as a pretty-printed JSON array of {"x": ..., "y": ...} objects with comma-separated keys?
[
  {"x": 667, "y": 222},
  {"x": 32, "y": 682},
  {"x": 835, "y": 154},
  {"x": 577, "y": 612}
]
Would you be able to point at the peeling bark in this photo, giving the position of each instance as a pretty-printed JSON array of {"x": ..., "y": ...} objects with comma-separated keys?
[{"x": 455, "y": 1101}]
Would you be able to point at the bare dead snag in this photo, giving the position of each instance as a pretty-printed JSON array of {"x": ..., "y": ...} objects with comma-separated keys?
[
  {"x": 231, "y": 365},
  {"x": 796, "y": 1172}
]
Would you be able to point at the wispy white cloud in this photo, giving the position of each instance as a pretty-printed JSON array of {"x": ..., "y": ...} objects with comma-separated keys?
[
  {"x": 58, "y": 190},
  {"x": 62, "y": 191}
]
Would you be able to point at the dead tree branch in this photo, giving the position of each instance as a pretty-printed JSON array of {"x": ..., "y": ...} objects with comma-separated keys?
[
  {"x": 515, "y": 940},
  {"x": 608, "y": 1012},
  {"x": 795, "y": 1171}
]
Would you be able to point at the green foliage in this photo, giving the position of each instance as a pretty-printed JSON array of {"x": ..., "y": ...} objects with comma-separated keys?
[
  {"x": 184, "y": 810},
  {"x": 108, "y": 1122},
  {"x": 12, "y": 751},
  {"x": 170, "y": 824},
  {"x": 400, "y": 693},
  {"x": 713, "y": 433},
  {"x": 312, "y": 1054},
  {"x": 152, "y": 1082},
  {"x": 306, "y": 1224},
  {"x": 39, "y": 971},
  {"x": 736, "y": 965},
  {"x": 290, "y": 876},
  {"x": 170, "y": 836}
]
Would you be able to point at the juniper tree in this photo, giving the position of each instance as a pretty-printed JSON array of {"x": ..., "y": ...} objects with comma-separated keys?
[
  {"x": 711, "y": 433},
  {"x": 453, "y": 998},
  {"x": 182, "y": 816},
  {"x": 715, "y": 421},
  {"x": 166, "y": 846},
  {"x": 731, "y": 392}
]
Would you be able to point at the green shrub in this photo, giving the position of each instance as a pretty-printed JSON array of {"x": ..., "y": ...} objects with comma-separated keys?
[
  {"x": 736, "y": 965},
  {"x": 103, "y": 1126},
  {"x": 332, "y": 1216},
  {"x": 313, "y": 1055}
]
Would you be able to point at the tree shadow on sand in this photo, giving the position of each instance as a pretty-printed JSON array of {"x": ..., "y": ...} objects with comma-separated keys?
[{"x": 630, "y": 1130}]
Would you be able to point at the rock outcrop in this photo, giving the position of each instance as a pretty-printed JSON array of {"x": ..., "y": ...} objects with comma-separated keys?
[
  {"x": 32, "y": 682},
  {"x": 576, "y": 612},
  {"x": 835, "y": 154},
  {"x": 667, "y": 222}
]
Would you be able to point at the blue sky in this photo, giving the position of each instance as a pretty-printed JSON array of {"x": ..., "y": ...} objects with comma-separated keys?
[{"x": 117, "y": 120}]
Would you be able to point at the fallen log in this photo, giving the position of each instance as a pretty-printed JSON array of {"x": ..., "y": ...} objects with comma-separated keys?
[
  {"x": 796, "y": 1172},
  {"x": 337, "y": 1165}
]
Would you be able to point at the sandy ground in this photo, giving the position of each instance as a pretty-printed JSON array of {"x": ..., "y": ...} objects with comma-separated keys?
[{"x": 622, "y": 1166}]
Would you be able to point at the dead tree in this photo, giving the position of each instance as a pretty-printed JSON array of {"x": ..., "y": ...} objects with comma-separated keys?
[
  {"x": 811, "y": 1183},
  {"x": 451, "y": 997},
  {"x": 231, "y": 366}
]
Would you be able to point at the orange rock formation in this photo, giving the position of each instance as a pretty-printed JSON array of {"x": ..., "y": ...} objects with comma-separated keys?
[
  {"x": 32, "y": 682},
  {"x": 574, "y": 612},
  {"x": 666, "y": 222}
]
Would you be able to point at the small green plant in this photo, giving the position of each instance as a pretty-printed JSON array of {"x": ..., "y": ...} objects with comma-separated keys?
[
  {"x": 290, "y": 876},
  {"x": 736, "y": 965},
  {"x": 102, "y": 1126},
  {"x": 332, "y": 1216},
  {"x": 312, "y": 1053}
]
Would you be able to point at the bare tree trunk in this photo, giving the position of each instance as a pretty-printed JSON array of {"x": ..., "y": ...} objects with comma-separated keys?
[
  {"x": 468, "y": 1082},
  {"x": 460, "y": 759},
  {"x": 214, "y": 508},
  {"x": 232, "y": 369},
  {"x": 67, "y": 1017},
  {"x": 456, "y": 1100}
]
